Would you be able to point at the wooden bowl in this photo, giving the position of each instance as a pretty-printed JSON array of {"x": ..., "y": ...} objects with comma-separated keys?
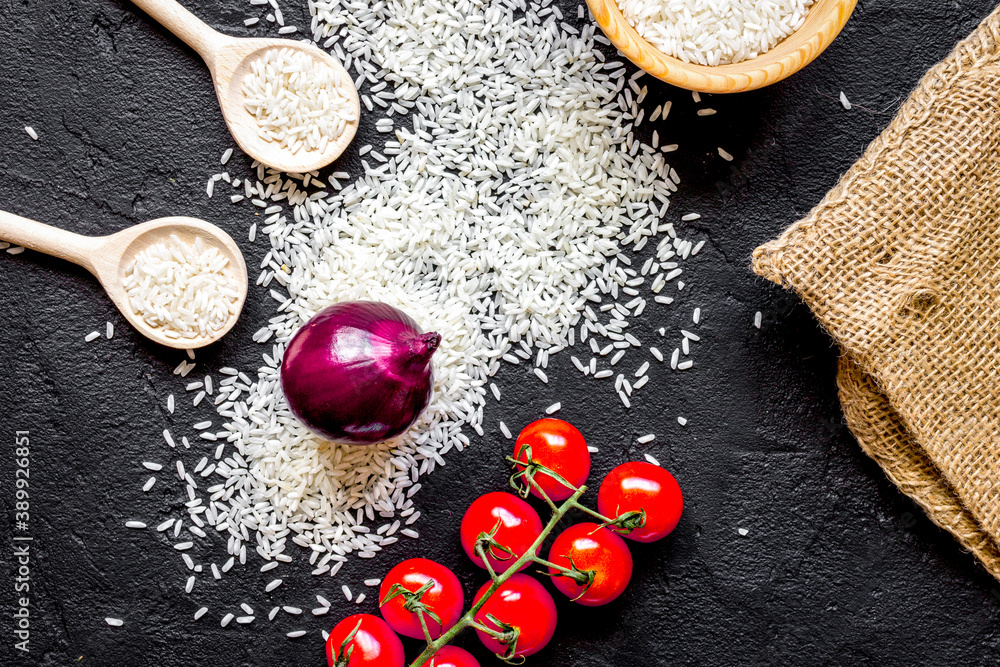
[{"x": 824, "y": 22}]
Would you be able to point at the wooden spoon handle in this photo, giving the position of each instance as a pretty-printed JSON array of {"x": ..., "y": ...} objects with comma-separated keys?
[
  {"x": 188, "y": 27},
  {"x": 72, "y": 247}
]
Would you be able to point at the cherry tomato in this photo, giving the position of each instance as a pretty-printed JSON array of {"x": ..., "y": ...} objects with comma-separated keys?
[
  {"x": 560, "y": 447},
  {"x": 639, "y": 485},
  {"x": 444, "y": 598},
  {"x": 592, "y": 547},
  {"x": 524, "y": 604},
  {"x": 519, "y": 526},
  {"x": 374, "y": 644},
  {"x": 452, "y": 656}
]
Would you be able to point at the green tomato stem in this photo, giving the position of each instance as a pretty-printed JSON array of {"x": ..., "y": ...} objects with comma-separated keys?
[
  {"x": 496, "y": 634},
  {"x": 423, "y": 625},
  {"x": 482, "y": 555},
  {"x": 597, "y": 515},
  {"x": 469, "y": 619},
  {"x": 579, "y": 576}
]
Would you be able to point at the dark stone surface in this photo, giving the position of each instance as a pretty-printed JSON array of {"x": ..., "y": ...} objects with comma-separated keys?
[{"x": 838, "y": 567}]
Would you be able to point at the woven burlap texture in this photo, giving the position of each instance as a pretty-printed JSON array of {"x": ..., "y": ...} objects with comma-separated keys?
[{"x": 900, "y": 262}]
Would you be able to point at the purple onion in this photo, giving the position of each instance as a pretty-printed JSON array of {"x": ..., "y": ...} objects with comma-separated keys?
[{"x": 359, "y": 372}]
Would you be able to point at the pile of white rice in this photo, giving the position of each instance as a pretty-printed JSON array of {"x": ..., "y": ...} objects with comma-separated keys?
[
  {"x": 186, "y": 290},
  {"x": 298, "y": 101},
  {"x": 496, "y": 213},
  {"x": 715, "y": 32},
  {"x": 503, "y": 209}
]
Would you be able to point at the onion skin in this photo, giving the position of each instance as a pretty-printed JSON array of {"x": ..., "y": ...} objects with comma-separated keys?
[{"x": 359, "y": 372}]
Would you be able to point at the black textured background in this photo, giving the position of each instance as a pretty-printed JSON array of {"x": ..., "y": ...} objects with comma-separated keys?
[{"x": 838, "y": 567}]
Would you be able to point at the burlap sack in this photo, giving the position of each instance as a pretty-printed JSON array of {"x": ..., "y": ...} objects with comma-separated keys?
[{"x": 901, "y": 264}]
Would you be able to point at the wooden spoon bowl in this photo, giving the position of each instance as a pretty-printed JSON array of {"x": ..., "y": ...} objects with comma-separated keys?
[
  {"x": 229, "y": 60},
  {"x": 825, "y": 20},
  {"x": 232, "y": 64},
  {"x": 109, "y": 257}
]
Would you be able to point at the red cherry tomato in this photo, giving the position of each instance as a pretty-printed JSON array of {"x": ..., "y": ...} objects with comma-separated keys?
[
  {"x": 560, "y": 447},
  {"x": 639, "y": 485},
  {"x": 519, "y": 526},
  {"x": 445, "y": 598},
  {"x": 524, "y": 604},
  {"x": 374, "y": 644},
  {"x": 452, "y": 656},
  {"x": 591, "y": 547}
]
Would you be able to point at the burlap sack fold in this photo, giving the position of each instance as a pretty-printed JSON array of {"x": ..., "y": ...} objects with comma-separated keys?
[
  {"x": 883, "y": 437},
  {"x": 900, "y": 262}
]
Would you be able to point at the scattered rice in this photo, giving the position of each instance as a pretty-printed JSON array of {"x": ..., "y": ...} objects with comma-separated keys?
[
  {"x": 513, "y": 276},
  {"x": 649, "y": 457},
  {"x": 844, "y": 101},
  {"x": 31, "y": 132},
  {"x": 114, "y": 622},
  {"x": 554, "y": 408}
]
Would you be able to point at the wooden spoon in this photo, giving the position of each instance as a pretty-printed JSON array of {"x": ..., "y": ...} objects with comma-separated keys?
[
  {"x": 108, "y": 258},
  {"x": 229, "y": 59}
]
